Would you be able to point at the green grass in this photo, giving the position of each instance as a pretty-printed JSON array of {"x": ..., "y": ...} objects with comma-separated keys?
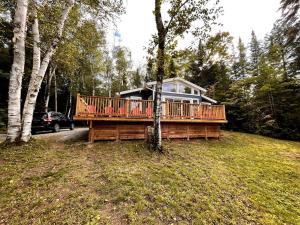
[{"x": 241, "y": 179}]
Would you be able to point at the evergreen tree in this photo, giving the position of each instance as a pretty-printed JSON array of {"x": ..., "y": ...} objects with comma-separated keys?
[
  {"x": 240, "y": 66},
  {"x": 172, "y": 69},
  {"x": 150, "y": 74},
  {"x": 255, "y": 53},
  {"x": 122, "y": 58},
  {"x": 137, "y": 81}
]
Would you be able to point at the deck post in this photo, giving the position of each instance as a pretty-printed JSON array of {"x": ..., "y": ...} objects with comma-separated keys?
[
  {"x": 224, "y": 113},
  {"x": 117, "y": 133},
  {"x": 91, "y": 132},
  {"x": 77, "y": 104},
  {"x": 167, "y": 129},
  {"x": 126, "y": 107}
]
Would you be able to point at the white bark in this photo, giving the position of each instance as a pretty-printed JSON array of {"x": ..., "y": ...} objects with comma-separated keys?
[
  {"x": 55, "y": 94},
  {"x": 16, "y": 74},
  {"x": 70, "y": 104},
  {"x": 36, "y": 81},
  {"x": 48, "y": 89}
]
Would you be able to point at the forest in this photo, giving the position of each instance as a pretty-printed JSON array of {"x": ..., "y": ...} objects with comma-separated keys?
[{"x": 257, "y": 80}]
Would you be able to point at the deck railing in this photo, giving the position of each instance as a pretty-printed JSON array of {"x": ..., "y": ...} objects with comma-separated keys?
[{"x": 96, "y": 106}]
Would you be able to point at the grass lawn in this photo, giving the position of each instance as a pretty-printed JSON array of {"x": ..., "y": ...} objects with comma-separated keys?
[{"x": 241, "y": 179}]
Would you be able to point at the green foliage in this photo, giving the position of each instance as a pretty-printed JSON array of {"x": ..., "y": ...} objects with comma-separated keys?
[
  {"x": 137, "y": 79},
  {"x": 241, "y": 65},
  {"x": 255, "y": 54},
  {"x": 122, "y": 57}
]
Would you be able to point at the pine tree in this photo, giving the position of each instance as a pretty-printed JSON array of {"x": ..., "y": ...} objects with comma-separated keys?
[
  {"x": 137, "y": 81},
  {"x": 150, "y": 71},
  {"x": 172, "y": 69},
  {"x": 255, "y": 53},
  {"x": 240, "y": 66}
]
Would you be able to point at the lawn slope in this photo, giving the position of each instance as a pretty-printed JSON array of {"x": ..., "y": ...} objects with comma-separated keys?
[{"x": 241, "y": 179}]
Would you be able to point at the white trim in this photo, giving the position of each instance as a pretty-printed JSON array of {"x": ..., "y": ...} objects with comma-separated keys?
[
  {"x": 130, "y": 91},
  {"x": 179, "y": 98},
  {"x": 209, "y": 99},
  {"x": 178, "y": 93},
  {"x": 135, "y": 98},
  {"x": 182, "y": 80}
]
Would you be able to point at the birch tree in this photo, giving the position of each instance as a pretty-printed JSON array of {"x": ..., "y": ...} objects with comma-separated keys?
[
  {"x": 182, "y": 17},
  {"x": 51, "y": 74},
  {"x": 39, "y": 68},
  {"x": 17, "y": 70}
]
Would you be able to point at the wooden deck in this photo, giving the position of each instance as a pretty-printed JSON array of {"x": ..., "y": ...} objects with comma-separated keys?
[{"x": 122, "y": 119}]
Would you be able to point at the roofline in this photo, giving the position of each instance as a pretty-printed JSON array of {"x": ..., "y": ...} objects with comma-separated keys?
[
  {"x": 130, "y": 91},
  {"x": 180, "y": 79},
  {"x": 209, "y": 99}
]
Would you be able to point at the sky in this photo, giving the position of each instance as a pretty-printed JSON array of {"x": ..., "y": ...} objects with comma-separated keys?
[{"x": 240, "y": 18}]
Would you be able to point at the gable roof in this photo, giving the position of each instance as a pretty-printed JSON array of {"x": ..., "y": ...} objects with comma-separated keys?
[
  {"x": 181, "y": 80},
  {"x": 209, "y": 99},
  {"x": 131, "y": 91}
]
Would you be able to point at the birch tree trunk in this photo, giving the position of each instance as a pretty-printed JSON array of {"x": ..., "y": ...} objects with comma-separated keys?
[
  {"x": 16, "y": 74},
  {"x": 157, "y": 139},
  {"x": 48, "y": 89},
  {"x": 70, "y": 104},
  {"x": 55, "y": 94},
  {"x": 36, "y": 81}
]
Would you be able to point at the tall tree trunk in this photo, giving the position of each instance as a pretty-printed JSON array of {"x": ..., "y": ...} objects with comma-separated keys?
[
  {"x": 55, "y": 94},
  {"x": 36, "y": 81},
  {"x": 48, "y": 89},
  {"x": 16, "y": 74},
  {"x": 32, "y": 88},
  {"x": 93, "y": 91},
  {"x": 70, "y": 104},
  {"x": 157, "y": 139}
]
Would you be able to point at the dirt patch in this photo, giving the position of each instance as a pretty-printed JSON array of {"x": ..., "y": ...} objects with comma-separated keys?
[
  {"x": 291, "y": 155},
  {"x": 109, "y": 213},
  {"x": 78, "y": 134}
]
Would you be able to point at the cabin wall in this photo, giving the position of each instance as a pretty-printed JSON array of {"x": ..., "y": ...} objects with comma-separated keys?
[{"x": 112, "y": 130}]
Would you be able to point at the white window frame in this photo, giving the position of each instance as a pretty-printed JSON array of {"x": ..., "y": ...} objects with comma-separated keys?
[{"x": 179, "y": 98}]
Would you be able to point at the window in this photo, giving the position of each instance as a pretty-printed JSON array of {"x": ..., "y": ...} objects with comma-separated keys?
[
  {"x": 196, "y": 92},
  {"x": 184, "y": 89},
  {"x": 169, "y": 87}
]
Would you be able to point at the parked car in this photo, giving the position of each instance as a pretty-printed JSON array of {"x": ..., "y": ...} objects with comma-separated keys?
[{"x": 51, "y": 121}]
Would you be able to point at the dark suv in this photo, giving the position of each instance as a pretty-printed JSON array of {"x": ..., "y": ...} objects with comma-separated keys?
[{"x": 52, "y": 121}]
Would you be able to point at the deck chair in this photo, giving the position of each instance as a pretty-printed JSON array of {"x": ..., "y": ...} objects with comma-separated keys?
[
  {"x": 149, "y": 112},
  {"x": 136, "y": 111},
  {"x": 121, "y": 111},
  {"x": 91, "y": 110},
  {"x": 108, "y": 110}
]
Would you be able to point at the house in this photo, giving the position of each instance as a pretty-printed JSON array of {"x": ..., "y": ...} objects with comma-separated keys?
[
  {"x": 186, "y": 112},
  {"x": 173, "y": 90}
]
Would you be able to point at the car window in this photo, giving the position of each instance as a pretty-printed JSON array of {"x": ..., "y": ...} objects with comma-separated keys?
[
  {"x": 39, "y": 115},
  {"x": 54, "y": 115}
]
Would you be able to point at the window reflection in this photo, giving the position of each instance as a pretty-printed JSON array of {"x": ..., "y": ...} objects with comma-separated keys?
[
  {"x": 184, "y": 89},
  {"x": 169, "y": 87}
]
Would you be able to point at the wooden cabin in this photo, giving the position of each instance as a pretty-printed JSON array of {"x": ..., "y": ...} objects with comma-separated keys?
[{"x": 186, "y": 113}]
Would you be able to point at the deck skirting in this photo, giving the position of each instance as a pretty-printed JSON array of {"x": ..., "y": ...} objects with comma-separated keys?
[{"x": 125, "y": 130}]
